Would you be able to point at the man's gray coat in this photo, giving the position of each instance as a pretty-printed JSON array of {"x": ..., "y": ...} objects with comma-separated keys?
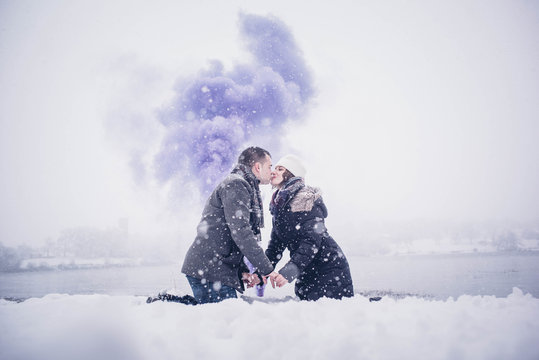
[{"x": 225, "y": 234}]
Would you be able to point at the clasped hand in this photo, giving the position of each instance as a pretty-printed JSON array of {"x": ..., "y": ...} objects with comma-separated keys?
[
  {"x": 275, "y": 278},
  {"x": 250, "y": 279}
]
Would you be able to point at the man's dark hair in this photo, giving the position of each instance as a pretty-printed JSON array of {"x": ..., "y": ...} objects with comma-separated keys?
[{"x": 252, "y": 155}]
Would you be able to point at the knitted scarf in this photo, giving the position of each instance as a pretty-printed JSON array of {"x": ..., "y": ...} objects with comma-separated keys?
[
  {"x": 257, "y": 209},
  {"x": 282, "y": 196}
]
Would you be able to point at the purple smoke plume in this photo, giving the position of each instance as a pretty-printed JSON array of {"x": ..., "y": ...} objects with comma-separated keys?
[{"x": 217, "y": 113}]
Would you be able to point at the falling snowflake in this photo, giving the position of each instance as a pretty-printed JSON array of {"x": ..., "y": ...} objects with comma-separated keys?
[
  {"x": 319, "y": 228},
  {"x": 202, "y": 229}
]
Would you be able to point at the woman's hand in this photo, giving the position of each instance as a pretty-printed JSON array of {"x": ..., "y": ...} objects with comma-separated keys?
[{"x": 277, "y": 279}]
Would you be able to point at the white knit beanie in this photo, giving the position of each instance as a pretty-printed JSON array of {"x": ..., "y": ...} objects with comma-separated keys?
[{"x": 293, "y": 164}]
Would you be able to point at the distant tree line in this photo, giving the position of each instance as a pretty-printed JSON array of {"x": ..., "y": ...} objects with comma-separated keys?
[
  {"x": 83, "y": 242},
  {"x": 10, "y": 258},
  {"x": 89, "y": 243}
]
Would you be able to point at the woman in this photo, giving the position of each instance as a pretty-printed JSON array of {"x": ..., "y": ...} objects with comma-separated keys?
[{"x": 316, "y": 261}]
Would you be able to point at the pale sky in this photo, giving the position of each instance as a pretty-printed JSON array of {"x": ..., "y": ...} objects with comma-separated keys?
[{"x": 423, "y": 110}]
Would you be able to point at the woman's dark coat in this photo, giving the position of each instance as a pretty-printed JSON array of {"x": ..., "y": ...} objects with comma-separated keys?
[{"x": 316, "y": 260}]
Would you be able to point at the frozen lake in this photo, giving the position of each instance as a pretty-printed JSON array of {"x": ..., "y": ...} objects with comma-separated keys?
[
  {"x": 434, "y": 276},
  {"x": 442, "y": 276}
]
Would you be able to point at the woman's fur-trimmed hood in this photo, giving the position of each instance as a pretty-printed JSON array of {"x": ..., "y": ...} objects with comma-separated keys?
[{"x": 305, "y": 198}]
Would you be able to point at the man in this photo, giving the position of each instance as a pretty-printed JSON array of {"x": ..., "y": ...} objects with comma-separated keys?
[{"x": 229, "y": 231}]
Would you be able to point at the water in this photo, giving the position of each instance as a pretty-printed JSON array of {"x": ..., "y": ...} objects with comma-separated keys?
[
  {"x": 442, "y": 276},
  {"x": 436, "y": 276},
  {"x": 142, "y": 280}
]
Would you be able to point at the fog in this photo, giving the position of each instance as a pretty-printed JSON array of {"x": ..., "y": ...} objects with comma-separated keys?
[{"x": 422, "y": 114}]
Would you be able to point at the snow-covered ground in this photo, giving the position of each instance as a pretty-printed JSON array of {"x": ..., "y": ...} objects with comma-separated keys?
[{"x": 125, "y": 327}]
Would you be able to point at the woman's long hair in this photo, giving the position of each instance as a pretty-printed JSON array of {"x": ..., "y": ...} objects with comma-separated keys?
[{"x": 287, "y": 175}]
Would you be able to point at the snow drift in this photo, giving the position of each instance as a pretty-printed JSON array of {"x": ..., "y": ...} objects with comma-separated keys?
[{"x": 121, "y": 327}]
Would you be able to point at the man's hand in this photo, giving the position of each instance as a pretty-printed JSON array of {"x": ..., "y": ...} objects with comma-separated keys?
[
  {"x": 250, "y": 279},
  {"x": 277, "y": 279}
]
